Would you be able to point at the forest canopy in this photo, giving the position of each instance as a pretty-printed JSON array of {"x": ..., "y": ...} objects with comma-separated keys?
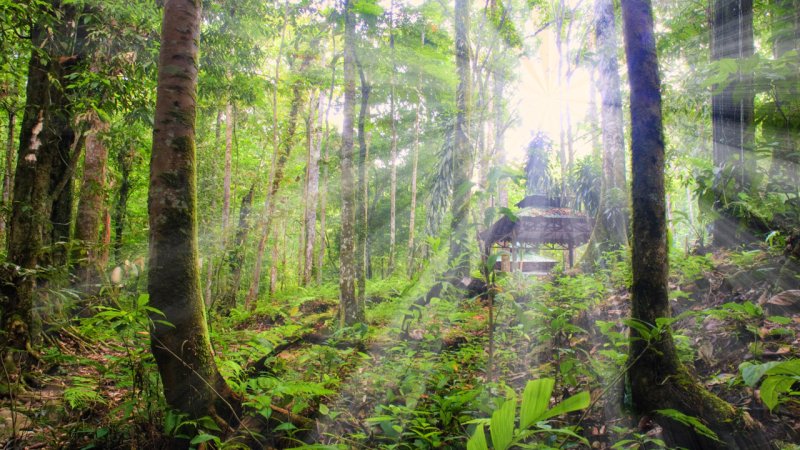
[{"x": 400, "y": 224}]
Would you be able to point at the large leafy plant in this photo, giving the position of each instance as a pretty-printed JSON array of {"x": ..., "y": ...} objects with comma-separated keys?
[{"x": 534, "y": 413}]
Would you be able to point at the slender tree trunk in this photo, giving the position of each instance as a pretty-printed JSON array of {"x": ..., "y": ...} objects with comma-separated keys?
[
  {"x": 264, "y": 223},
  {"x": 658, "y": 379},
  {"x": 91, "y": 207},
  {"x": 323, "y": 201},
  {"x": 125, "y": 162},
  {"x": 460, "y": 238},
  {"x": 610, "y": 231},
  {"x": 732, "y": 117},
  {"x": 499, "y": 131},
  {"x": 8, "y": 174},
  {"x": 312, "y": 193},
  {"x": 393, "y": 149},
  {"x": 350, "y": 311},
  {"x": 226, "y": 184},
  {"x": 286, "y": 144},
  {"x": 192, "y": 383},
  {"x": 362, "y": 193},
  {"x": 413, "y": 208},
  {"x": 236, "y": 254}
]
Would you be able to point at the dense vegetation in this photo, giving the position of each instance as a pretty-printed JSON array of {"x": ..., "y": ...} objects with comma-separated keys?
[{"x": 256, "y": 224}]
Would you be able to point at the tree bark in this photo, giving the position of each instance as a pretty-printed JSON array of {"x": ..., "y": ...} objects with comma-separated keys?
[
  {"x": 499, "y": 132},
  {"x": 323, "y": 200},
  {"x": 732, "y": 117},
  {"x": 91, "y": 208},
  {"x": 45, "y": 132},
  {"x": 8, "y": 173},
  {"x": 125, "y": 161},
  {"x": 236, "y": 254},
  {"x": 350, "y": 311},
  {"x": 393, "y": 149},
  {"x": 312, "y": 177},
  {"x": 459, "y": 241},
  {"x": 413, "y": 208},
  {"x": 226, "y": 183},
  {"x": 182, "y": 349},
  {"x": 362, "y": 193},
  {"x": 658, "y": 379}
]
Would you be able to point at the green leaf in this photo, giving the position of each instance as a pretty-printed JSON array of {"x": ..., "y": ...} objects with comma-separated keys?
[
  {"x": 775, "y": 386},
  {"x": 323, "y": 409},
  {"x": 689, "y": 421},
  {"x": 579, "y": 401},
  {"x": 478, "y": 440},
  {"x": 790, "y": 367},
  {"x": 200, "y": 438},
  {"x": 502, "y": 425},
  {"x": 535, "y": 400},
  {"x": 752, "y": 373}
]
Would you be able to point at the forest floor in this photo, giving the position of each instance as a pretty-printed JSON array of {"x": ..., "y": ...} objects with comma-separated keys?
[{"x": 417, "y": 376}]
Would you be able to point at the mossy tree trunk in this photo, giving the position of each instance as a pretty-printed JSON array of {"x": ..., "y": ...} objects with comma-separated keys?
[
  {"x": 182, "y": 349},
  {"x": 44, "y": 134},
  {"x": 350, "y": 310},
  {"x": 235, "y": 256},
  {"x": 658, "y": 379},
  {"x": 459, "y": 240},
  {"x": 125, "y": 160},
  {"x": 91, "y": 206},
  {"x": 362, "y": 192}
]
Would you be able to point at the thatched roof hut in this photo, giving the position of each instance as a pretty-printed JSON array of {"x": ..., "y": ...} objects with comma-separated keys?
[{"x": 540, "y": 221}]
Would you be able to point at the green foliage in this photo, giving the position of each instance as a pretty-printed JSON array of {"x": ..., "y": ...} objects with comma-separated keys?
[
  {"x": 533, "y": 415},
  {"x": 692, "y": 422},
  {"x": 780, "y": 379}
]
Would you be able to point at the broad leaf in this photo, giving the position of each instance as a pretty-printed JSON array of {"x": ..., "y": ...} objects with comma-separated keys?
[{"x": 535, "y": 401}]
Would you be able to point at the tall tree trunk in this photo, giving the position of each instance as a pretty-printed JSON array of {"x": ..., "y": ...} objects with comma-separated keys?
[
  {"x": 264, "y": 222},
  {"x": 784, "y": 129},
  {"x": 91, "y": 207},
  {"x": 658, "y": 379},
  {"x": 29, "y": 212},
  {"x": 182, "y": 350},
  {"x": 350, "y": 311},
  {"x": 499, "y": 131},
  {"x": 323, "y": 200},
  {"x": 732, "y": 117},
  {"x": 312, "y": 193},
  {"x": 8, "y": 173},
  {"x": 286, "y": 144},
  {"x": 125, "y": 162},
  {"x": 45, "y": 133},
  {"x": 610, "y": 231},
  {"x": 236, "y": 255},
  {"x": 413, "y": 208},
  {"x": 226, "y": 183},
  {"x": 362, "y": 193},
  {"x": 393, "y": 149},
  {"x": 459, "y": 241}
]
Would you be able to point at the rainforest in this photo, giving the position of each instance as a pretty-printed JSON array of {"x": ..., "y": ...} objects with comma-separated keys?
[{"x": 400, "y": 224}]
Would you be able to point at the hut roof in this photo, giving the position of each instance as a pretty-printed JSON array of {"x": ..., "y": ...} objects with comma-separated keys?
[{"x": 541, "y": 225}]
